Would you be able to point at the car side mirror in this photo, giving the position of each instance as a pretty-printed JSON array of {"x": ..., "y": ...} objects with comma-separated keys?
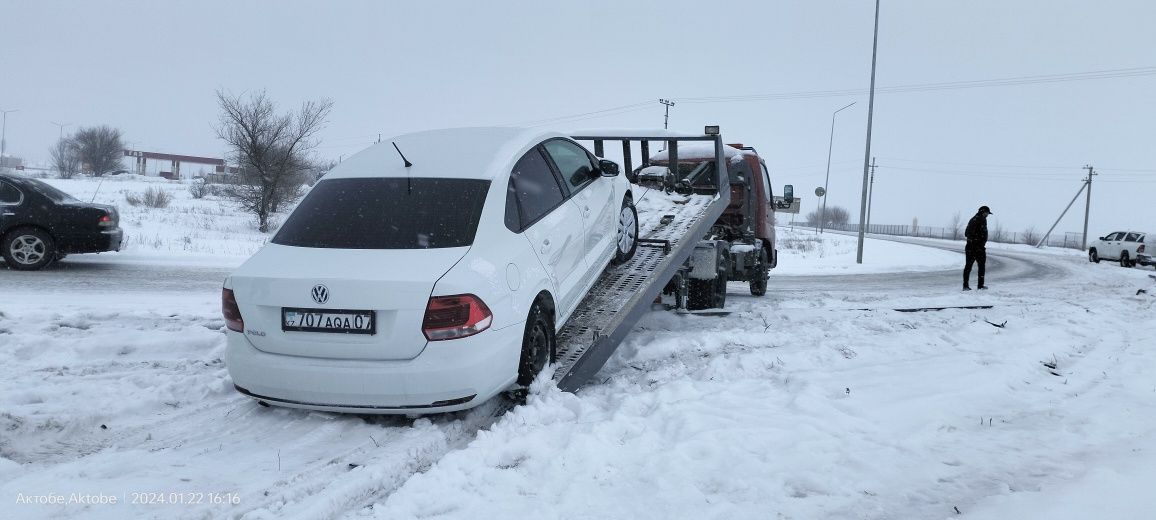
[
  {"x": 789, "y": 191},
  {"x": 609, "y": 168}
]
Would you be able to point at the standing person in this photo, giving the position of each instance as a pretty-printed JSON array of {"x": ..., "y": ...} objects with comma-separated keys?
[{"x": 976, "y": 248}]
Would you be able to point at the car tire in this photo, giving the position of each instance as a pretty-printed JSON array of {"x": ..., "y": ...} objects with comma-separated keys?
[
  {"x": 626, "y": 243},
  {"x": 28, "y": 249},
  {"x": 759, "y": 275},
  {"x": 1093, "y": 256},
  {"x": 538, "y": 345},
  {"x": 1124, "y": 262}
]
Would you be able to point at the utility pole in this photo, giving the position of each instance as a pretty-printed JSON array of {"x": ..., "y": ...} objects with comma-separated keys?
[
  {"x": 867, "y": 152},
  {"x": 61, "y": 125},
  {"x": 871, "y": 195},
  {"x": 4, "y": 132},
  {"x": 666, "y": 119},
  {"x": 1087, "y": 207},
  {"x": 379, "y": 137},
  {"x": 1086, "y": 186},
  {"x": 830, "y": 144}
]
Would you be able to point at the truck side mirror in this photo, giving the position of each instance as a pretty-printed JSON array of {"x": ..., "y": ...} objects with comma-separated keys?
[{"x": 789, "y": 191}]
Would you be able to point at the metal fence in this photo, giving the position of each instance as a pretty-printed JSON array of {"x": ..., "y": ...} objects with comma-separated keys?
[{"x": 1070, "y": 240}]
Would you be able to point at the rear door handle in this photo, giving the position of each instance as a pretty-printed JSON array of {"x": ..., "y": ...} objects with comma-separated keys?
[
  {"x": 545, "y": 245},
  {"x": 586, "y": 211}
]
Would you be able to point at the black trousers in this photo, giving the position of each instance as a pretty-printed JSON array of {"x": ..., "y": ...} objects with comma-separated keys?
[{"x": 977, "y": 256}]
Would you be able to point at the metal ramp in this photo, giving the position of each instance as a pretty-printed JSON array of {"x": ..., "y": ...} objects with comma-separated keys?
[{"x": 624, "y": 293}]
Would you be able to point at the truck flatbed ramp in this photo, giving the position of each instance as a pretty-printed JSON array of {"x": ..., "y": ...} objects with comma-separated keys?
[{"x": 624, "y": 293}]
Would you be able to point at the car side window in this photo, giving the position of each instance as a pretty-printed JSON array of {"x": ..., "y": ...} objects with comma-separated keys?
[
  {"x": 1133, "y": 237},
  {"x": 1119, "y": 235},
  {"x": 572, "y": 161},
  {"x": 533, "y": 189},
  {"x": 9, "y": 195}
]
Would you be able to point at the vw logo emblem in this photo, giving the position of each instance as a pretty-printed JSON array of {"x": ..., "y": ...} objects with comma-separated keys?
[{"x": 320, "y": 293}]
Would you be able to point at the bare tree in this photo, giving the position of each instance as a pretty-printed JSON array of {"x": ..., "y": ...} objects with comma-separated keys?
[
  {"x": 65, "y": 157},
  {"x": 838, "y": 215},
  {"x": 1030, "y": 235},
  {"x": 100, "y": 149},
  {"x": 998, "y": 234},
  {"x": 956, "y": 226},
  {"x": 271, "y": 149}
]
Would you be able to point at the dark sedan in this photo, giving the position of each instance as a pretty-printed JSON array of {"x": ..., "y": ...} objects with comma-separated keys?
[{"x": 40, "y": 224}]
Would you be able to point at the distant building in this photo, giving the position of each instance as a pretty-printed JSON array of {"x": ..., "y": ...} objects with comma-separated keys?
[{"x": 10, "y": 162}]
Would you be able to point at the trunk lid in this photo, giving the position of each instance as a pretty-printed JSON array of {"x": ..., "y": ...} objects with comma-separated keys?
[{"x": 393, "y": 283}]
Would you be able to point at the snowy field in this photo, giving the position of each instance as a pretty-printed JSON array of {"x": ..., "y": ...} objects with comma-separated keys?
[
  {"x": 819, "y": 400},
  {"x": 207, "y": 231}
]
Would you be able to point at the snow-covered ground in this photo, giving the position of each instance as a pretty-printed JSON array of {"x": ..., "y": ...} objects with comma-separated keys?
[
  {"x": 190, "y": 231},
  {"x": 816, "y": 401}
]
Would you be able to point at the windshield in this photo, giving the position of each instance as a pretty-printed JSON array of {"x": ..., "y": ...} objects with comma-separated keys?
[
  {"x": 387, "y": 213},
  {"x": 47, "y": 190}
]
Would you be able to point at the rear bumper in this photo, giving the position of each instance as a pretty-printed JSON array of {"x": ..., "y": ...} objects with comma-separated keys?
[
  {"x": 95, "y": 242},
  {"x": 447, "y": 376},
  {"x": 1145, "y": 260}
]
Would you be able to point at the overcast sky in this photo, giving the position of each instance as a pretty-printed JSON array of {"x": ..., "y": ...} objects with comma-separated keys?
[{"x": 151, "y": 69}]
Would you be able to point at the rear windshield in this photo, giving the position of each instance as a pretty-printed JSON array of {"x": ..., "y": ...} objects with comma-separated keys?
[
  {"x": 393, "y": 213},
  {"x": 49, "y": 191}
]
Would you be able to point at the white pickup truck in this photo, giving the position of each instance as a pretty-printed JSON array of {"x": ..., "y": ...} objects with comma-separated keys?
[{"x": 1128, "y": 247}]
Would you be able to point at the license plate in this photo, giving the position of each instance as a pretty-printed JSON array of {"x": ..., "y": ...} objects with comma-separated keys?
[{"x": 328, "y": 320}]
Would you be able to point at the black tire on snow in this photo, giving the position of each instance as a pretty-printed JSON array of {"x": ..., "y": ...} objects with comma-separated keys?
[
  {"x": 1124, "y": 262},
  {"x": 538, "y": 345},
  {"x": 1093, "y": 256},
  {"x": 42, "y": 253}
]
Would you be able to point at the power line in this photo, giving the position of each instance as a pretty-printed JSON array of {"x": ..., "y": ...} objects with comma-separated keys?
[{"x": 926, "y": 87}]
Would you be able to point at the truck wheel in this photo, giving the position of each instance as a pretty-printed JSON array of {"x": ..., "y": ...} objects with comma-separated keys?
[
  {"x": 1093, "y": 256},
  {"x": 1124, "y": 259},
  {"x": 27, "y": 249},
  {"x": 759, "y": 275},
  {"x": 627, "y": 242},
  {"x": 538, "y": 345}
]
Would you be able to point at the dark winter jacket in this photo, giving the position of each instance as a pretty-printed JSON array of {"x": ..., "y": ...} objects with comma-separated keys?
[{"x": 976, "y": 232}]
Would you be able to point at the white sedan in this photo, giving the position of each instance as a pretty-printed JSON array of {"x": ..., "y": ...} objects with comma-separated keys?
[{"x": 430, "y": 281}]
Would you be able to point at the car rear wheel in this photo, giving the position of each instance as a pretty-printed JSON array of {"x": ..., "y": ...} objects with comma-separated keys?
[
  {"x": 27, "y": 249},
  {"x": 538, "y": 345},
  {"x": 1093, "y": 256},
  {"x": 1124, "y": 261},
  {"x": 627, "y": 233}
]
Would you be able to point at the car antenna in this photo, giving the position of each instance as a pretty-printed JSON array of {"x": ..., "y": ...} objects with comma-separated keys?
[
  {"x": 408, "y": 178},
  {"x": 97, "y": 190},
  {"x": 407, "y": 163}
]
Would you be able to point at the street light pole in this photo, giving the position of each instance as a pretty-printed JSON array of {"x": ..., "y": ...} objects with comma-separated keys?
[
  {"x": 4, "y": 131},
  {"x": 830, "y": 143},
  {"x": 61, "y": 125},
  {"x": 867, "y": 152}
]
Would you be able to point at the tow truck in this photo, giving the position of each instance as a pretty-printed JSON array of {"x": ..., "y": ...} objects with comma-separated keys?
[{"x": 723, "y": 230}]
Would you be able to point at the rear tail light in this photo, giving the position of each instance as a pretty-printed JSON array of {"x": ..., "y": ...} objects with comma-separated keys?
[
  {"x": 452, "y": 317},
  {"x": 106, "y": 221},
  {"x": 1140, "y": 249},
  {"x": 231, "y": 312}
]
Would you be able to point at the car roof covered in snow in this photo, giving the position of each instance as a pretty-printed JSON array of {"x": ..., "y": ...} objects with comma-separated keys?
[{"x": 455, "y": 153}]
